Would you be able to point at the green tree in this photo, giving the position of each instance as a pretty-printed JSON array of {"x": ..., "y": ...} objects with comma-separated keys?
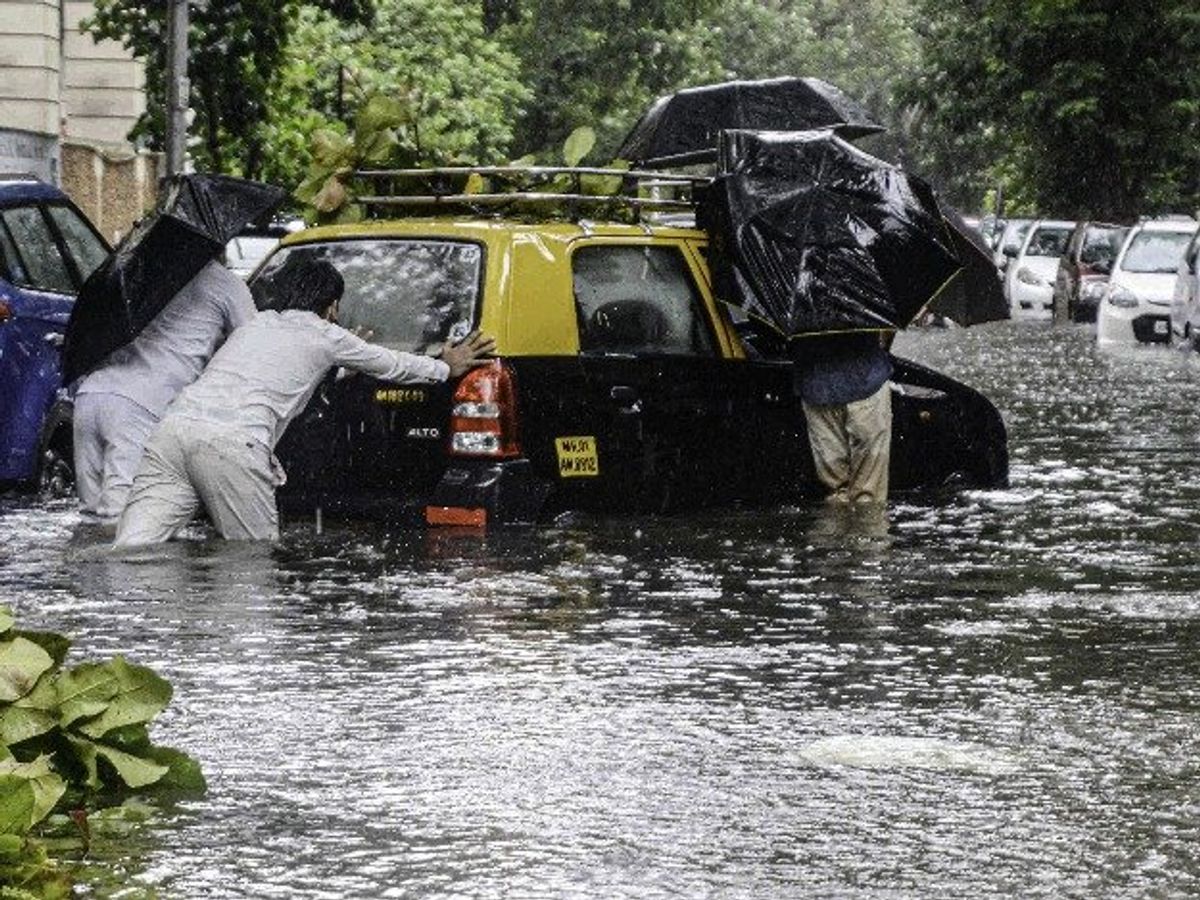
[
  {"x": 600, "y": 63},
  {"x": 1081, "y": 108},
  {"x": 235, "y": 49},
  {"x": 454, "y": 92},
  {"x": 862, "y": 46}
]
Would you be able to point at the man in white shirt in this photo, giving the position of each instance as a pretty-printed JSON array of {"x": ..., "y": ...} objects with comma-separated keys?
[
  {"x": 118, "y": 406},
  {"x": 215, "y": 445}
]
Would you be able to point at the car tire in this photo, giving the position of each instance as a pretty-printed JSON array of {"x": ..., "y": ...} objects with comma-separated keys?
[{"x": 56, "y": 474}]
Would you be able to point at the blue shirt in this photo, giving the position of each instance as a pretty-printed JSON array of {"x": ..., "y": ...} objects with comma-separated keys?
[{"x": 835, "y": 369}]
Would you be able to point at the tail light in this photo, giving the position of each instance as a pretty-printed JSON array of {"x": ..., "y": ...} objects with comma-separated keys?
[
  {"x": 483, "y": 419},
  {"x": 5, "y": 311}
]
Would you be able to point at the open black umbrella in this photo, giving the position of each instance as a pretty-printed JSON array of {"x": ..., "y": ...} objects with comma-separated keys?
[
  {"x": 684, "y": 127},
  {"x": 811, "y": 235},
  {"x": 199, "y": 214},
  {"x": 974, "y": 295}
]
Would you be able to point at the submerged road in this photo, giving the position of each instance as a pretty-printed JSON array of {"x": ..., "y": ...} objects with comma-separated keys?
[{"x": 994, "y": 694}]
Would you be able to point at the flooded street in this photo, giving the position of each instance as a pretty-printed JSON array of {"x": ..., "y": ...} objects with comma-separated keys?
[{"x": 990, "y": 694}]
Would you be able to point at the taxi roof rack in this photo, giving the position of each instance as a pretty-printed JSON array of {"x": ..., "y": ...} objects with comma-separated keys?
[{"x": 499, "y": 189}]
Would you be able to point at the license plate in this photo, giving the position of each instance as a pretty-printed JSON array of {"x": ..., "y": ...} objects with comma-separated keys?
[
  {"x": 400, "y": 396},
  {"x": 1160, "y": 327},
  {"x": 577, "y": 457}
]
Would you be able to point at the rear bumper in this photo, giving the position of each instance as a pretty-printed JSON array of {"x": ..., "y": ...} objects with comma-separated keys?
[{"x": 475, "y": 494}]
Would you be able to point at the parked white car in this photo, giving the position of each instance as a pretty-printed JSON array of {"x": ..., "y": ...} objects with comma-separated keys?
[
  {"x": 1185, "y": 302},
  {"x": 244, "y": 252},
  {"x": 1008, "y": 241},
  {"x": 1029, "y": 279},
  {"x": 1137, "y": 302}
]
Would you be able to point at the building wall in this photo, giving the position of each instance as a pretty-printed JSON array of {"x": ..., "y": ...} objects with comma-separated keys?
[
  {"x": 30, "y": 61},
  {"x": 103, "y": 86},
  {"x": 113, "y": 188},
  {"x": 67, "y": 105}
]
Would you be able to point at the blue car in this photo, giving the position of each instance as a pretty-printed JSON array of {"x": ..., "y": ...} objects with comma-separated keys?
[{"x": 47, "y": 249}]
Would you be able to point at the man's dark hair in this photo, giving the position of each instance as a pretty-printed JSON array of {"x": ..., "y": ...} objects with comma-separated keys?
[{"x": 303, "y": 283}]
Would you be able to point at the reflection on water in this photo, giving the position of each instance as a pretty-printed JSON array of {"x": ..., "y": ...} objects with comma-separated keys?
[{"x": 992, "y": 694}]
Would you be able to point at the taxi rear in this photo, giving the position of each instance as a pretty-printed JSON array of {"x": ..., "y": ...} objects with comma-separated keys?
[{"x": 620, "y": 382}]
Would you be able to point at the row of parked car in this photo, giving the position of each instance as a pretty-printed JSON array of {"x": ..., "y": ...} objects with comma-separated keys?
[{"x": 1139, "y": 283}]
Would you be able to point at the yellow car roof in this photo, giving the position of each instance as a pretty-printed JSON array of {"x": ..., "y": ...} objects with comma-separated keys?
[{"x": 482, "y": 229}]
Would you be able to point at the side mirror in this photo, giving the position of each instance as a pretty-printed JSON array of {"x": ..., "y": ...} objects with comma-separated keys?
[
  {"x": 1011, "y": 250},
  {"x": 1102, "y": 266}
]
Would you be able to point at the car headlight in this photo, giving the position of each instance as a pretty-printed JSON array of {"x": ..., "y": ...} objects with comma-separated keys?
[
  {"x": 1092, "y": 290},
  {"x": 1026, "y": 276},
  {"x": 1122, "y": 297}
]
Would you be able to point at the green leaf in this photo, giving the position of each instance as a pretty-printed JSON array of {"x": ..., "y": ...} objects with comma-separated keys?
[
  {"x": 6, "y": 619},
  {"x": 10, "y": 845},
  {"x": 134, "y": 771},
  {"x": 332, "y": 195},
  {"x": 55, "y": 644},
  {"x": 529, "y": 159},
  {"x": 310, "y": 186},
  {"x": 16, "y": 804},
  {"x": 578, "y": 144},
  {"x": 349, "y": 214},
  {"x": 381, "y": 112},
  {"x": 46, "y": 787},
  {"x": 377, "y": 147},
  {"x": 184, "y": 774},
  {"x": 331, "y": 149},
  {"x": 22, "y": 663},
  {"x": 85, "y": 691},
  {"x": 130, "y": 738},
  {"x": 19, "y": 724},
  {"x": 475, "y": 184},
  {"x": 141, "y": 695}
]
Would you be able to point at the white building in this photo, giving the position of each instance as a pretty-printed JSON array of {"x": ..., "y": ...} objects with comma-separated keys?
[{"x": 67, "y": 105}]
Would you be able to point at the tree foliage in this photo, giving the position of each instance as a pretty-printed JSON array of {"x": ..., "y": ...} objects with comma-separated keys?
[
  {"x": 1080, "y": 108},
  {"x": 600, "y": 63},
  {"x": 235, "y": 48},
  {"x": 426, "y": 70}
]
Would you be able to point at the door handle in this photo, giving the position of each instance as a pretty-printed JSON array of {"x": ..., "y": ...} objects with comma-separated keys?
[
  {"x": 54, "y": 339},
  {"x": 627, "y": 399}
]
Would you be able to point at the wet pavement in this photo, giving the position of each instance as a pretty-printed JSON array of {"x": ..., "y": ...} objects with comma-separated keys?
[{"x": 992, "y": 694}]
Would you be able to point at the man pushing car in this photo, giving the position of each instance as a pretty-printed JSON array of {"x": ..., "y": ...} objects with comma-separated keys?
[{"x": 214, "y": 448}]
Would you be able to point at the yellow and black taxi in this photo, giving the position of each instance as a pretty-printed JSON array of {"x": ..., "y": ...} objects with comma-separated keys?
[{"x": 620, "y": 382}]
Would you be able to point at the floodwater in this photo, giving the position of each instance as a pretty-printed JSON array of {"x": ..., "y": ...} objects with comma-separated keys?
[{"x": 990, "y": 695}]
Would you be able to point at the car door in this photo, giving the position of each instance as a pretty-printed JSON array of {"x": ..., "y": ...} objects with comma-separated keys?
[
  {"x": 654, "y": 373},
  {"x": 38, "y": 282}
]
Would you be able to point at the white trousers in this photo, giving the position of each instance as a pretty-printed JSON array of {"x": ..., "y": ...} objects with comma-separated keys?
[
  {"x": 109, "y": 435},
  {"x": 188, "y": 463},
  {"x": 851, "y": 446}
]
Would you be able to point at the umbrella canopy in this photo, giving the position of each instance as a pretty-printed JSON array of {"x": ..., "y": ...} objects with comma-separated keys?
[
  {"x": 162, "y": 253},
  {"x": 812, "y": 235},
  {"x": 685, "y": 126},
  {"x": 975, "y": 295}
]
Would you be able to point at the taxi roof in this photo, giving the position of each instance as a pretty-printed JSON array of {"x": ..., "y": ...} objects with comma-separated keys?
[{"x": 488, "y": 229}]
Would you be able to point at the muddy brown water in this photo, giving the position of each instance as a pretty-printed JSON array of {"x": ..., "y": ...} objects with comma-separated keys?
[{"x": 990, "y": 694}]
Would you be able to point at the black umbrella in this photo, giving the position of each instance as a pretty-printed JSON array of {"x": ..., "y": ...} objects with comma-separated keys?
[
  {"x": 974, "y": 295},
  {"x": 684, "y": 127},
  {"x": 812, "y": 235},
  {"x": 163, "y": 252}
]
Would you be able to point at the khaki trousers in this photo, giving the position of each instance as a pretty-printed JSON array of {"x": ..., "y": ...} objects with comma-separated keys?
[
  {"x": 188, "y": 463},
  {"x": 851, "y": 446}
]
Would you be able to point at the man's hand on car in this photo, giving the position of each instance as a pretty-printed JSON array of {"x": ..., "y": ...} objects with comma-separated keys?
[{"x": 467, "y": 353}]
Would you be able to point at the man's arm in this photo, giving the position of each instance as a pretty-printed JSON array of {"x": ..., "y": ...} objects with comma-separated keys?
[{"x": 352, "y": 352}]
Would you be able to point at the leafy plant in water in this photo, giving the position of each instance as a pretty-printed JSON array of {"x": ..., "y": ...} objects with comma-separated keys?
[{"x": 70, "y": 739}]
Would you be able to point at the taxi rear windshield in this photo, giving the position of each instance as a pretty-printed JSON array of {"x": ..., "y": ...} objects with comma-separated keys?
[{"x": 411, "y": 294}]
